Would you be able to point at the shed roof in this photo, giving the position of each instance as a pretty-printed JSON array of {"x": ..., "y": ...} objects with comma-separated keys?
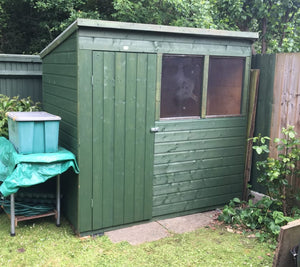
[{"x": 126, "y": 26}]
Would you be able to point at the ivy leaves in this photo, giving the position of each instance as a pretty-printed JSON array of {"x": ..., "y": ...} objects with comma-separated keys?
[{"x": 262, "y": 216}]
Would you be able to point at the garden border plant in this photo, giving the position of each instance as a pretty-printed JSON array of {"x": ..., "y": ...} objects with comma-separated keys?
[
  {"x": 8, "y": 104},
  {"x": 278, "y": 207}
]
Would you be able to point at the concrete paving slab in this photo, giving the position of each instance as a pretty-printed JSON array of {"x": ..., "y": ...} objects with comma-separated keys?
[
  {"x": 188, "y": 223},
  {"x": 156, "y": 230},
  {"x": 138, "y": 234}
]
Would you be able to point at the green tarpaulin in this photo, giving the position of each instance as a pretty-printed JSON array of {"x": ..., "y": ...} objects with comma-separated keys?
[{"x": 17, "y": 170}]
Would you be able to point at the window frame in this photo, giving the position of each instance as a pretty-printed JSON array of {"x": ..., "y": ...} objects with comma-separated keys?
[
  {"x": 242, "y": 88},
  {"x": 201, "y": 85},
  {"x": 203, "y": 107}
]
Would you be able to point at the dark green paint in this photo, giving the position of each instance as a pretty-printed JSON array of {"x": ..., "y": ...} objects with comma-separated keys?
[
  {"x": 195, "y": 204},
  {"x": 62, "y": 58},
  {"x": 105, "y": 84},
  {"x": 130, "y": 126},
  {"x": 197, "y": 164},
  {"x": 21, "y": 75},
  {"x": 224, "y": 174},
  {"x": 158, "y": 86},
  {"x": 163, "y": 37},
  {"x": 149, "y": 145},
  {"x": 107, "y": 44},
  {"x": 197, "y": 154},
  {"x": 119, "y": 143},
  {"x": 68, "y": 70},
  {"x": 123, "y": 159},
  {"x": 195, "y": 190},
  {"x": 61, "y": 98},
  {"x": 198, "y": 124},
  {"x": 204, "y": 86},
  {"x": 140, "y": 130},
  {"x": 199, "y": 144},
  {"x": 97, "y": 154},
  {"x": 186, "y": 135},
  {"x": 85, "y": 136},
  {"x": 266, "y": 64},
  {"x": 205, "y": 159},
  {"x": 246, "y": 81}
]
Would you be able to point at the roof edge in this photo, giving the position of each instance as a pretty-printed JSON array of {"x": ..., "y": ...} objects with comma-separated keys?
[
  {"x": 165, "y": 29},
  {"x": 104, "y": 24},
  {"x": 59, "y": 39}
]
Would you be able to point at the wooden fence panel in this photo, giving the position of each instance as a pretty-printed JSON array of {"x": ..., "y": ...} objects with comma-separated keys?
[
  {"x": 286, "y": 94},
  {"x": 278, "y": 101},
  {"x": 21, "y": 75}
]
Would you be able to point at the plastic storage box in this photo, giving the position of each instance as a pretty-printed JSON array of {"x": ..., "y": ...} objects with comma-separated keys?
[{"x": 33, "y": 132}]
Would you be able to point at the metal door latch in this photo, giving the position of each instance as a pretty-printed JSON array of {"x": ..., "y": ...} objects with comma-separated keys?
[{"x": 154, "y": 129}]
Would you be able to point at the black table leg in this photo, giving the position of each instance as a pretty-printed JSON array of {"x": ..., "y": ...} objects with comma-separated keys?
[{"x": 58, "y": 200}]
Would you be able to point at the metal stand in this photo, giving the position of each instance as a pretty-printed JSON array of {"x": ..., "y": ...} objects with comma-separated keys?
[
  {"x": 12, "y": 215},
  {"x": 15, "y": 219},
  {"x": 58, "y": 200}
]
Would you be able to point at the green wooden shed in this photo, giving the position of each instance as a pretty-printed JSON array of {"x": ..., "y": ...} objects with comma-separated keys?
[{"x": 155, "y": 114}]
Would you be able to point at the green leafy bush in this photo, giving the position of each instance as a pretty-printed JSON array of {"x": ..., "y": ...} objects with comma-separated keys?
[
  {"x": 264, "y": 216},
  {"x": 276, "y": 172},
  {"x": 273, "y": 210},
  {"x": 13, "y": 104}
]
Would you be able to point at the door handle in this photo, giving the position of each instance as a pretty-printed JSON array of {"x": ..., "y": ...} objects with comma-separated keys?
[{"x": 154, "y": 129}]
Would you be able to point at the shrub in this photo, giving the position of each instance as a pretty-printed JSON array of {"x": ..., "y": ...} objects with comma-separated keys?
[
  {"x": 276, "y": 172},
  {"x": 13, "y": 104},
  {"x": 264, "y": 216},
  {"x": 272, "y": 211}
]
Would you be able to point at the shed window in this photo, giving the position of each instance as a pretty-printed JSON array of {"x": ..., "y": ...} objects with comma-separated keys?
[
  {"x": 181, "y": 86},
  {"x": 225, "y": 80}
]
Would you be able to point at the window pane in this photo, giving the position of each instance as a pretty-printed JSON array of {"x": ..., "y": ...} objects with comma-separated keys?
[
  {"x": 181, "y": 86},
  {"x": 225, "y": 82}
]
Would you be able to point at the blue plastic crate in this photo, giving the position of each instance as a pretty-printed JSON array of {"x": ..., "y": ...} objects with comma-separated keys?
[{"x": 33, "y": 132}]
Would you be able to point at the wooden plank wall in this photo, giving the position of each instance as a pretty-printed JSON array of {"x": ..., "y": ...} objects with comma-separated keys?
[
  {"x": 123, "y": 113},
  {"x": 198, "y": 163},
  {"x": 266, "y": 65},
  {"x": 60, "y": 98},
  {"x": 278, "y": 100},
  {"x": 60, "y": 90},
  {"x": 286, "y": 95},
  {"x": 21, "y": 75},
  {"x": 108, "y": 40}
]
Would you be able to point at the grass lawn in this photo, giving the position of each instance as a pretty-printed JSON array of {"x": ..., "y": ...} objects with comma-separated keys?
[{"x": 41, "y": 243}]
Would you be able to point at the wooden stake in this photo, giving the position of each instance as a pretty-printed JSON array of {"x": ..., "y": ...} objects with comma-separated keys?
[{"x": 254, "y": 82}]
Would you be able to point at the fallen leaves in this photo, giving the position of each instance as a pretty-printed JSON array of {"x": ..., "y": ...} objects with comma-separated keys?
[
  {"x": 251, "y": 236},
  {"x": 21, "y": 250}
]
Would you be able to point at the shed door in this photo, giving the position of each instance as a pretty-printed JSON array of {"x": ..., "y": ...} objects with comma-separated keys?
[{"x": 123, "y": 147}]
